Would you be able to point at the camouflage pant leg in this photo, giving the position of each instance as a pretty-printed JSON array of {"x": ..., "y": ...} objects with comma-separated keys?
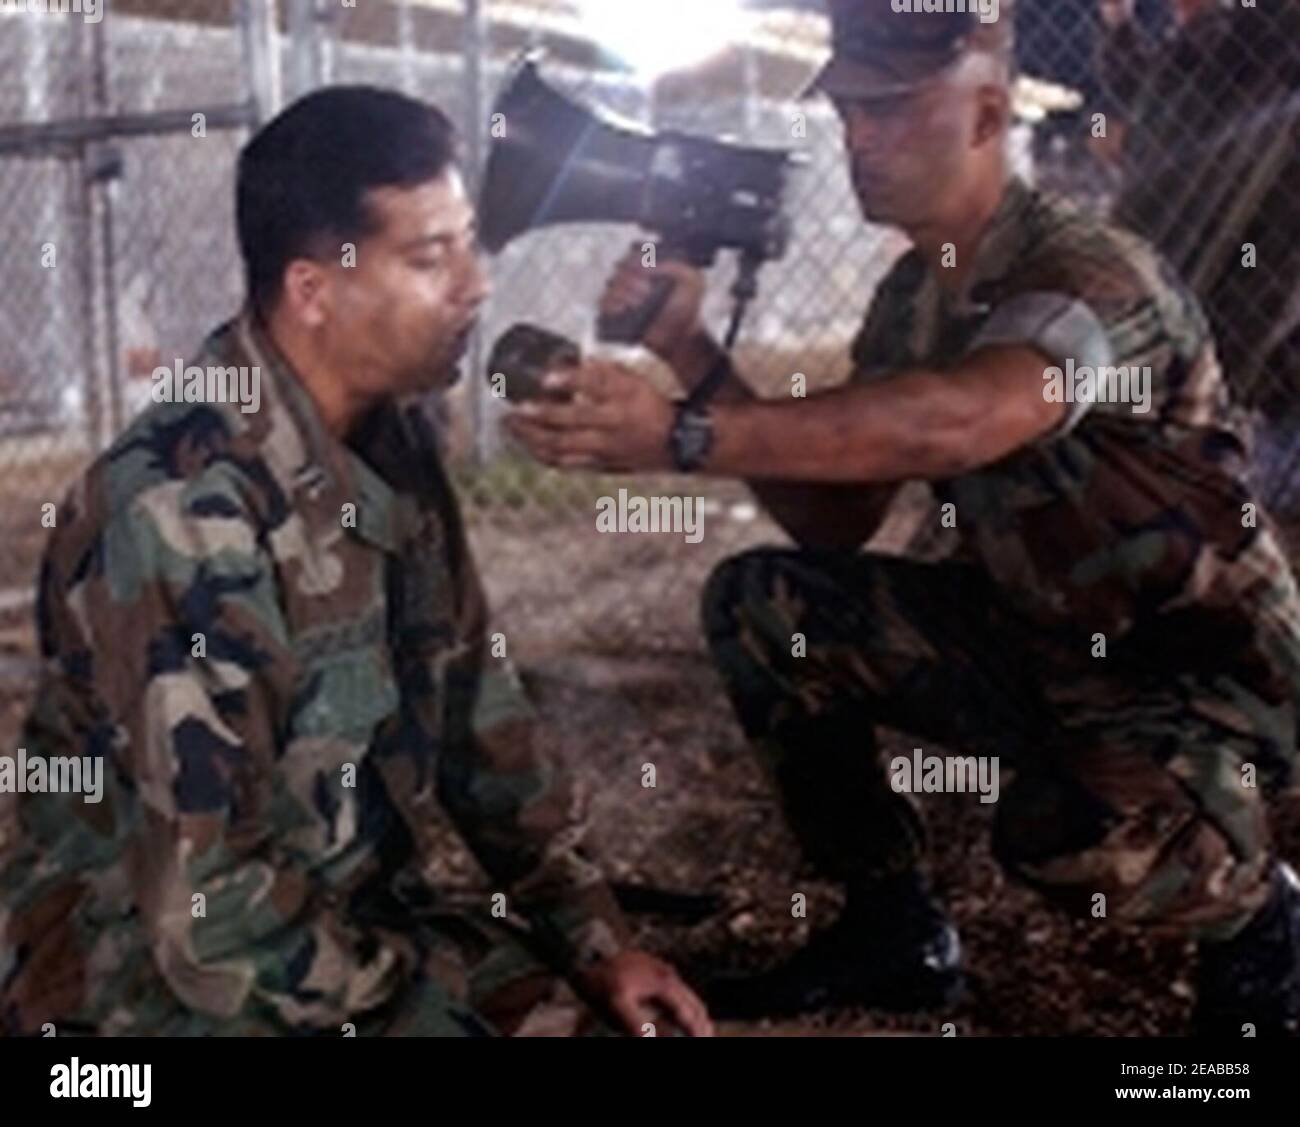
[
  {"x": 475, "y": 978},
  {"x": 815, "y": 649},
  {"x": 1144, "y": 806},
  {"x": 479, "y": 979},
  {"x": 1131, "y": 792}
]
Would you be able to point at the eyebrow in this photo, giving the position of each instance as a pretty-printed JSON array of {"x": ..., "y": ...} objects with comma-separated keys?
[
  {"x": 440, "y": 238},
  {"x": 426, "y": 241}
]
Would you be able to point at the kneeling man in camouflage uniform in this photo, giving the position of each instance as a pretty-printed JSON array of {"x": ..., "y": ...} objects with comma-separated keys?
[
  {"x": 1118, "y": 624},
  {"x": 260, "y": 618}
]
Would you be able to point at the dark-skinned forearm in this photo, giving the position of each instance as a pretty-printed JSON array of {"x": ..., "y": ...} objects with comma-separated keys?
[
  {"x": 814, "y": 515},
  {"x": 916, "y": 425}
]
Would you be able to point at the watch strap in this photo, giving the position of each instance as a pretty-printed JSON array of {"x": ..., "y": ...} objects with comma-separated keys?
[{"x": 713, "y": 380}]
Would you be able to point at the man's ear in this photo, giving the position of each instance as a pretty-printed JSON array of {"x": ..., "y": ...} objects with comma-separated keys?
[
  {"x": 992, "y": 111},
  {"x": 305, "y": 295}
]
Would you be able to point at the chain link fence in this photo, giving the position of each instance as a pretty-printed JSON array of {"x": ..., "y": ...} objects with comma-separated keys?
[{"x": 118, "y": 137}]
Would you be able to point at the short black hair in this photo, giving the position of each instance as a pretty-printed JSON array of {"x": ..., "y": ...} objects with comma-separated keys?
[{"x": 302, "y": 178}]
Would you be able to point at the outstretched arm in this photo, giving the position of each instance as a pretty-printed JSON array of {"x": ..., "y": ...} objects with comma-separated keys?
[{"x": 916, "y": 424}]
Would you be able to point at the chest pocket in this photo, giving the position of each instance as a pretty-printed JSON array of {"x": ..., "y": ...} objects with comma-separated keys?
[{"x": 346, "y": 687}]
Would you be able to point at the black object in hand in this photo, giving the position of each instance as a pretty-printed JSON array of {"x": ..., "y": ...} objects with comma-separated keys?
[{"x": 523, "y": 355}]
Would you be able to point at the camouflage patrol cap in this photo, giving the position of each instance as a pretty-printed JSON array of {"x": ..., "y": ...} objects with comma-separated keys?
[{"x": 881, "y": 47}]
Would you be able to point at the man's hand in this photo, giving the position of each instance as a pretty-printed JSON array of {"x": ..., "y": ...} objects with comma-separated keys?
[
  {"x": 637, "y": 988},
  {"x": 615, "y": 421},
  {"x": 630, "y": 287}
]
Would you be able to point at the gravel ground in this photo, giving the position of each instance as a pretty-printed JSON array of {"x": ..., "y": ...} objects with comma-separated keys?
[
  {"x": 619, "y": 672},
  {"x": 712, "y": 822}
]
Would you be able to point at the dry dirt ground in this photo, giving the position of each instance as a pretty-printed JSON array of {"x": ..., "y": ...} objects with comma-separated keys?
[
  {"x": 605, "y": 632},
  {"x": 610, "y": 646}
]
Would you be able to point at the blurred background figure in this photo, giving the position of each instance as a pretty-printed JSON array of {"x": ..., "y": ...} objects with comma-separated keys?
[
  {"x": 1206, "y": 130},
  {"x": 1123, "y": 53}
]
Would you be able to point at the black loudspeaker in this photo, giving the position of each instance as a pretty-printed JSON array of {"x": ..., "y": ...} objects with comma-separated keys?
[{"x": 560, "y": 162}]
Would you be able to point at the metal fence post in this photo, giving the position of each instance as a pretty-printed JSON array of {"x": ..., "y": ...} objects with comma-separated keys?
[
  {"x": 303, "y": 53},
  {"x": 482, "y": 422},
  {"x": 261, "y": 46},
  {"x": 324, "y": 33},
  {"x": 406, "y": 47},
  {"x": 97, "y": 172}
]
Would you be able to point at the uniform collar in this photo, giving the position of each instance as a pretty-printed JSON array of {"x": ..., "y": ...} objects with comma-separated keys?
[
  {"x": 1002, "y": 242},
  {"x": 316, "y": 472}
]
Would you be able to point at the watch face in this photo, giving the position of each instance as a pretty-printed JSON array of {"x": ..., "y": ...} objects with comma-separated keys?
[{"x": 692, "y": 439}]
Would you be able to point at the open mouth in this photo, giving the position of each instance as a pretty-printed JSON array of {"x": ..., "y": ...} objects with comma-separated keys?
[{"x": 460, "y": 343}]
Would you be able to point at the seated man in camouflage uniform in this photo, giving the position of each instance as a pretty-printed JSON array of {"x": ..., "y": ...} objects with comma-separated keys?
[
  {"x": 269, "y": 626},
  {"x": 1118, "y": 624}
]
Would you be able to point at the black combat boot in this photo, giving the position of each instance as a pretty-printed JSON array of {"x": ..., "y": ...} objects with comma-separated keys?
[
  {"x": 1254, "y": 977},
  {"x": 893, "y": 948}
]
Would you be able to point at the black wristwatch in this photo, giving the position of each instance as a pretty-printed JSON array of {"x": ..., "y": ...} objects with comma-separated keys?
[{"x": 691, "y": 438}]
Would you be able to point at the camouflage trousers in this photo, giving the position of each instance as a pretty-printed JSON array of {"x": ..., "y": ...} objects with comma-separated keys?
[
  {"x": 467, "y": 975},
  {"x": 479, "y": 978},
  {"x": 1124, "y": 782}
]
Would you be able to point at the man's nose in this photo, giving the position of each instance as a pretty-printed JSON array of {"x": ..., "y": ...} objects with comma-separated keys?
[{"x": 478, "y": 286}]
